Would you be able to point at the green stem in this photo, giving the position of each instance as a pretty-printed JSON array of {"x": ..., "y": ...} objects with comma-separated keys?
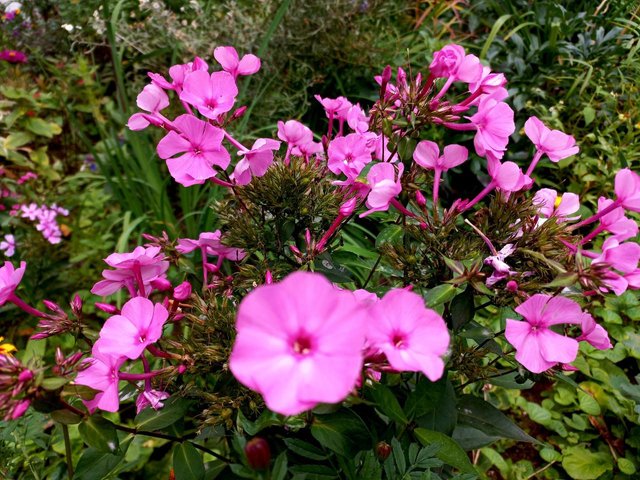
[{"x": 67, "y": 450}]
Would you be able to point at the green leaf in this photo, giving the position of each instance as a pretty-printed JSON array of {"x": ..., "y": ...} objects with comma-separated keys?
[
  {"x": 187, "y": 462},
  {"x": 588, "y": 404},
  {"x": 329, "y": 268},
  {"x": 174, "y": 409},
  {"x": 65, "y": 417},
  {"x": 266, "y": 419},
  {"x": 440, "y": 294},
  {"x": 387, "y": 402},
  {"x": 589, "y": 114},
  {"x": 95, "y": 465},
  {"x": 42, "y": 127},
  {"x": 100, "y": 434},
  {"x": 305, "y": 449},
  {"x": 450, "y": 452},
  {"x": 550, "y": 455},
  {"x": 462, "y": 309},
  {"x": 279, "y": 467},
  {"x": 343, "y": 432},
  {"x": 626, "y": 466},
  {"x": 54, "y": 383},
  {"x": 583, "y": 464},
  {"x": 489, "y": 423},
  {"x": 389, "y": 234},
  {"x": 17, "y": 140},
  {"x": 398, "y": 456},
  {"x": 314, "y": 472},
  {"x": 433, "y": 405}
]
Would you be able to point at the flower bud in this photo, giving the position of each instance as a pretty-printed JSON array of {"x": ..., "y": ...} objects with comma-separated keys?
[
  {"x": 348, "y": 207},
  {"x": 258, "y": 453},
  {"x": 386, "y": 76},
  {"x": 54, "y": 307},
  {"x": 76, "y": 305},
  {"x": 25, "y": 376},
  {"x": 268, "y": 278},
  {"x": 19, "y": 409},
  {"x": 161, "y": 284},
  {"x": 512, "y": 286},
  {"x": 420, "y": 200},
  {"x": 239, "y": 112},
  {"x": 383, "y": 450},
  {"x": 108, "y": 308},
  {"x": 182, "y": 291}
]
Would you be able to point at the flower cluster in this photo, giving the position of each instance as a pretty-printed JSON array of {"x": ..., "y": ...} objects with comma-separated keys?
[
  {"x": 44, "y": 217},
  {"x": 16, "y": 384}
]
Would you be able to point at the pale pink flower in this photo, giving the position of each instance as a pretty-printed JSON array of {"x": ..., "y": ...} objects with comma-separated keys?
[
  {"x": 178, "y": 74},
  {"x": 102, "y": 375},
  {"x": 507, "y": 176},
  {"x": 150, "y": 398},
  {"x": 614, "y": 262},
  {"x": 413, "y": 337},
  {"x": 357, "y": 119},
  {"x": 500, "y": 268},
  {"x": 556, "y": 144},
  {"x": 152, "y": 99},
  {"x": 294, "y": 133},
  {"x": 384, "y": 186},
  {"x": 427, "y": 155},
  {"x": 256, "y": 161},
  {"x": 594, "y": 334},
  {"x": 8, "y": 245},
  {"x": 139, "y": 325},
  {"x": 551, "y": 205},
  {"x": 451, "y": 61},
  {"x": 141, "y": 266},
  {"x": 228, "y": 58},
  {"x": 627, "y": 188},
  {"x": 299, "y": 343},
  {"x": 616, "y": 222},
  {"x": 212, "y": 94},
  {"x": 10, "y": 278},
  {"x": 490, "y": 83},
  {"x": 349, "y": 155},
  {"x": 494, "y": 124},
  {"x": 212, "y": 243},
  {"x": 538, "y": 348},
  {"x": 201, "y": 147},
  {"x": 335, "y": 107}
]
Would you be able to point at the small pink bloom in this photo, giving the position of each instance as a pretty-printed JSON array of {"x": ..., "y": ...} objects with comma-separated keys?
[
  {"x": 13, "y": 56},
  {"x": 8, "y": 245},
  {"x": 10, "y": 278},
  {"x": 212, "y": 242},
  {"x": 616, "y": 222},
  {"x": 615, "y": 262},
  {"x": 228, "y": 58},
  {"x": 550, "y": 205},
  {"x": 357, "y": 119},
  {"x": 152, "y": 99},
  {"x": 102, "y": 374},
  {"x": 500, "y": 268},
  {"x": 200, "y": 146},
  {"x": 294, "y": 133},
  {"x": 182, "y": 291},
  {"x": 451, "y": 61},
  {"x": 349, "y": 155},
  {"x": 138, "y": 326},
  {"x": 150, "y": 398},
  {"x": 256, "y": 161},
  {"x": 594, "y": 334},
  {"x": 178, "y": 74},
  {"x": 494, "y": 124},
  {"x": 627, "y": 188},
  {"x": 212, "y": 94},
  {"x": 384, "y": 186},
  {"x": 299, "y": 343},
  {"x": 335, "y": 107},
  {"x": 556, "y": 144},
  {"x": 413, "y": 338},
  {"x": 538, "y": 348},
  {"x": 507, "y": 176},
  {"x": 491, "y": 83},
  {"x": 427, "y": 155}
]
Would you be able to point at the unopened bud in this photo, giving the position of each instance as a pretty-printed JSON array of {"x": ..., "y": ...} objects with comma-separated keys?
[
  {"x": 512, "y": 286},
  {"x": 386, "y": 76},
  {"x": 420, "y": 200},
  {"x": 108, "y": 308},
  {"x": 383, "y": 450},
  {"x": 268, "y": 278},
  {"x": 258, "y": 453},
  {"x": 348, "y": 207},
  {"x": 25, "y": 376},
  {"x": 182, "y": 291},
  {"x": 161, "y": 284},
  {"x": 239, "y": 112},
  {"x": 54, "y": 307},
  {"x": 76, "y": 305}
]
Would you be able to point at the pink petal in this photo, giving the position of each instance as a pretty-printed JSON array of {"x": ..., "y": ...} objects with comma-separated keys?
[
  {"x": 426, "y": 154},
  {"x": 249, "y": 65},
  {"x": 227, "y": 57}
]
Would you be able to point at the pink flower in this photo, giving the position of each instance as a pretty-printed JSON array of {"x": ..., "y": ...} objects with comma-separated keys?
[
  {"x": 357, "y": 119},
  {"x": 299, "y": 343},
  {"x": 178, "y": 74},
  {"x": 556, "y": 144},
  {"x": 507, "y": 176},
  {"x": 627, "y": 188},
  {"x": 500, "y": 268},
  {"x": 8, "y": 245},
  {"x": 211, "y": 242},
  {"x": 139, "y": 325},
  {"x": 384, "y": 185},
  {"x": 594, "y": 334},
  {"x": 452, "y": 62},
  {"x": 335, "y": 107},
  {"x": 212, "y": 94},
  {"x": 182, "y": 291},
  {"x": 349, "y": 155},
  {"x": 616, "y": 261},
  {"x": 412, "y": 337},
  {"x": 616, "y": 222},
  {"x": 201, "y": 147},
  {"x": 494, "y": 124},
  {"x": 551, "y": 205},
  {"x": 152, "y": 99},
  {"x": 102, "y": 374},
  {"x": 294, "y": 133},
  {"x": 10, "y": 278},
  {"x": 150, "y": 398},
  {"x": 256, "y": 161},
  {"x": 13, "y": 56},
  {"x": 538, "y": 348},
  {"x": 427, "y": 155},
  {"x": 141, "y": 266},
  {"x": 228, "y": 58},
  {"x": 490, "y": 83}
]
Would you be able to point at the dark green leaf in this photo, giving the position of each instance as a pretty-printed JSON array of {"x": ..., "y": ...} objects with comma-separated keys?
[
  {"x": 100, "y": 434},
  {"x": 462, "y": 309},
  {"x": 433, "y": 405},
  {"x": 279, "y": 467},
  {"x": 187, "y": 462},
  {"x": 305, "y": 449},
  {"x": 450, "y": 452},
  {"x": 344, "y": 432},
  {"x": 387, "y": 402},
  {"x": 314, "y": 472},
  {"x": 65, "y": 417},
  {"x": 173, "y": 410},
  {"x": 389, "y": 234},
  {"x": 398, "y": 456},
  {"x": 440, "y": 294},
  {"x": 95, "y": 465},
  {"x": 329, "y": 268}
]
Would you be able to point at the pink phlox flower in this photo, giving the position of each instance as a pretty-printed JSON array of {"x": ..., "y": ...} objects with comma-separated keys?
[
  {"x": 13, "y": 56},
  {"x": 622, "y": 227},
  {"x": 365, "y": 297},
  {"x": 500, "y": 268},
  {"x": 627, "y": 188},
  {"x": 594, "y": 334},
  {"x": 307, "y": 150},
  {"x": 379, "y": 145},
  {"x": 8, "y": 245},
  {"x": 556, "y": 144},
  {"x": 201, "y": 147},
  {"x": 178, "y": 74},
  {"x": 152, "y": 99},
  {"x": 494, "y": 124},
  {"x": 615, "y": 262},
  {"x": 335, "y": 107},
  {"x": 151, "y": 398},
  {"x": 294, "y": 133},
  {"x": 507, "y": 176},
  {"x": 452, "y": 61},
  {"x": 228, "y": 58},
  {"x": 10, "y": 278},
  {"x": 299, "y": 343},
  {"x": 138, "y": 325},
  {"x": 256, "y": 161},
  {"x": 30, "y": 212},
  {"x": 490, "y": 83},
  {"x": 212, "y": 94},
  {"x": 412, "y": 337},
  {"x": 551, "y": 205},
  {"x": 212, "y": 243},
  {"x": 149, "y": 262},
  {"x": 384, "y": 186},
  {"x": 538, "y": 348},
  {"x": 102, "y": 375},
  {"x": 357, "y": 119},
  {"x": 349, "y": 155},
  {"x": 427, "y": 155}
]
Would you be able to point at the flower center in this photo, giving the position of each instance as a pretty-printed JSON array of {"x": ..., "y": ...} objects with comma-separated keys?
[
  {"x": 399, "y": 340},
  {"x": 302, "y": 345}
]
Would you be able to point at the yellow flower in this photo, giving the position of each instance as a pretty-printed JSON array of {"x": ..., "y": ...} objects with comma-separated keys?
[{"x": 6, "y": 348}]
